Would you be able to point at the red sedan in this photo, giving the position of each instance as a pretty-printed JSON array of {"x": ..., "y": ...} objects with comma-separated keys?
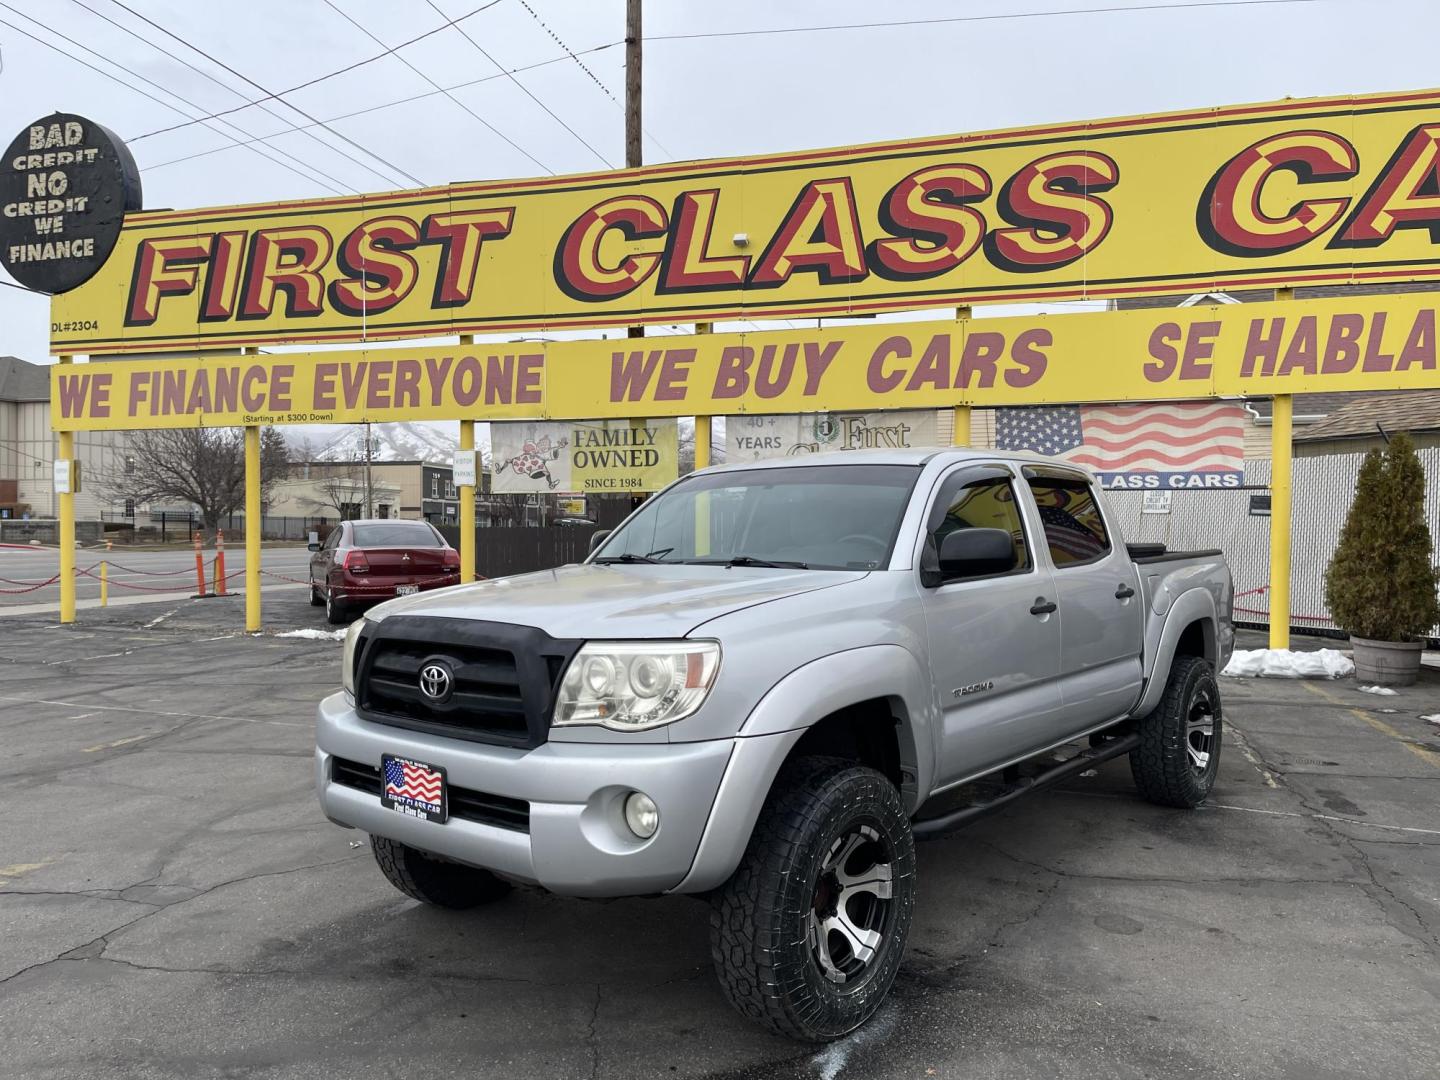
[{"x": 364, "y": 562}]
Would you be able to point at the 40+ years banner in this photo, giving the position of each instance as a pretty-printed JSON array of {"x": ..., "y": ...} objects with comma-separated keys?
[
  {"x": 1319, "y": 190},
  {"x": 1159, "y": 354}
]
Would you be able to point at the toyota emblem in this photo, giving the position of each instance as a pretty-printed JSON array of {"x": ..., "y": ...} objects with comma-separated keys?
[{"x": 435, "y": 682}]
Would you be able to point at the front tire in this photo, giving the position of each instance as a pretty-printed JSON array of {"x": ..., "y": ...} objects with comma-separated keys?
[
  {"x": 315, "y": 598},
  {"x": 808, "y": 933},
  {"x": 435, "y": 881},
  {"x": 1179, "y": 752}
]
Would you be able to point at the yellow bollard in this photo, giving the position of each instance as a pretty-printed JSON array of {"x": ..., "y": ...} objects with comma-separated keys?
[
  {"x": 104, "y": 583},
  {"x": 252, "y": 530}
]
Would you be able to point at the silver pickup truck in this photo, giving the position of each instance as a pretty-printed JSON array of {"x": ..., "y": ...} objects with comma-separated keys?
[{"x": 762, "y": 688}]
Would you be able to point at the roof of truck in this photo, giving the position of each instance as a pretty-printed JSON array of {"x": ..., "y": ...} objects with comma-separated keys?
[{"x": 919, "y": 455}]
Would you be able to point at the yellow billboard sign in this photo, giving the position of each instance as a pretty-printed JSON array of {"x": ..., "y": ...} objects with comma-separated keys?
[
  {"x": 1320, "y": 190},
  {"x": 1158, "y": 354}
]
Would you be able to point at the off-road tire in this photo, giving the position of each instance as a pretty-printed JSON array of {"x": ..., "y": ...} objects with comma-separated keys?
[
  {"x": 337, "y": 612},
  {"x": 435, "y": 881},
  {"x": 760, "y": 919},
  {"x": 316, "y": 600},
  {"x": 1163, "y": 767}
]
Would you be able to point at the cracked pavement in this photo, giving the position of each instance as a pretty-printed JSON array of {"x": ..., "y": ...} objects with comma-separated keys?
[{"x": 172, "y": 904}]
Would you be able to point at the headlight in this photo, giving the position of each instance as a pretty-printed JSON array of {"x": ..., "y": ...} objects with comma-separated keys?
[
  {"x": 633, "y": 685},
  {"x": 347, "y": 660}
]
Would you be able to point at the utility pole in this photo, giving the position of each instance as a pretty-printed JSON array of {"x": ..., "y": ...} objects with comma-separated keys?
[
  {"x": 369, "y": 489},
  {"x": 633, "y": 150}
]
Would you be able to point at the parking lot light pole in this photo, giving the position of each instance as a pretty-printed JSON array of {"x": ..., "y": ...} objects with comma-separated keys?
[
  {"x": 467, "y": 495},
  {"x": 702, "y": 461},
  {"x": 65, "y": 451}
]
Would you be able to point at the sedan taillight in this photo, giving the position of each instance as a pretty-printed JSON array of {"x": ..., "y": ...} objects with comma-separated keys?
[
  {"x": 451, "y": 559},
  {"x": 356, "y": 562}
]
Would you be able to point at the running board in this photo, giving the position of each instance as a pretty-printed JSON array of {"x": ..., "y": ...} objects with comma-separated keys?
[{"x": 934, "y": 828}]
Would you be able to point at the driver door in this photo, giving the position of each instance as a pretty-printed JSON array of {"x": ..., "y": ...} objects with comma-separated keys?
[{"x": 995, "y": 662}]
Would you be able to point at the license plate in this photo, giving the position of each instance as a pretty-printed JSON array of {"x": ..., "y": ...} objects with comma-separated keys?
[
  {"x": 413, "y": 788},
  {"x": 406, "y": 590}
]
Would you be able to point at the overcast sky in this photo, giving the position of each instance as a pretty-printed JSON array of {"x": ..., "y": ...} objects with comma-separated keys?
[{"x": 704, "y": 96}]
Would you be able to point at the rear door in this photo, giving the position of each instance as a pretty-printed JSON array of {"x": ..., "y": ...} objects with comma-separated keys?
[
  {"x": 995, "y": 662},
  {"x": 1101, "y": 613}
]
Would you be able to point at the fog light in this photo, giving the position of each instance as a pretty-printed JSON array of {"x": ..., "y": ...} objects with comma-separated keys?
[{"x": 641, "y": 814}]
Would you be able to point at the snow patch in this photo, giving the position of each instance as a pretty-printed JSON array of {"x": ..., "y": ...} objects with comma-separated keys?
[
  {"x": 1435, "y": 719},
  {"x": 315, "y": 635},
  {"x": 1288, "y": 664},
  {"x": 1383, "y": 691}
]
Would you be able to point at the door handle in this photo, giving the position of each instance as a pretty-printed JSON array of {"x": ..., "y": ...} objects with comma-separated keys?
[
  {"x": 1124, "y": 592},
  {"x": 1042, "y": 606}
]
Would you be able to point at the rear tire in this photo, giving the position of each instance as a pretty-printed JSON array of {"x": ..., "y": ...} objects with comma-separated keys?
[
  {"x": 808, "y": 933},
  {"x": 1179, "y": 752},
  {"x": 337, "y": 612},
  {"x": 444, "y": 884}
]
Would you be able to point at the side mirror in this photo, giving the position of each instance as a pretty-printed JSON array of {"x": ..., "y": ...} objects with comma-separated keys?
[
  {"x": 976, "y": 552},
  {"x": 314, "y": 545},
  {"x": 598, "y": 537}
]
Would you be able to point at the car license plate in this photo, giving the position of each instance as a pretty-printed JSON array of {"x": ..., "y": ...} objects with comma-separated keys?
[
  {"x": 406, "y": 590},
  {"x": 413, "y": 788}
]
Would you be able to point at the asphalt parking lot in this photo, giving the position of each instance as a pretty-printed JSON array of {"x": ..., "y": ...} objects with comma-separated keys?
[{"x": 172, "y": 904}]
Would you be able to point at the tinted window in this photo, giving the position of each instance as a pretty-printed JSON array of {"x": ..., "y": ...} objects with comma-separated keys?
[
  {"x": 830, "y": 517},
  {"x": 985, "y": 504},
  {"x": 413, "y": 535},
  {"x": 1074, "y": 529}
]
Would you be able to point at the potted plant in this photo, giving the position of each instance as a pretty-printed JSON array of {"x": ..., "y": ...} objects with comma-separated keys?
[{"x": 1381, "y": 584}]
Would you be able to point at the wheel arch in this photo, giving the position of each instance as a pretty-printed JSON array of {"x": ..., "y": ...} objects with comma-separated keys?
[{"x": 1190, "y": 629}]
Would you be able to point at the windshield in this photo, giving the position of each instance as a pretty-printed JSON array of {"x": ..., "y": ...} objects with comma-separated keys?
[
  {"x": 824, "y": 517},
  {"x": 399, "y": 535}
]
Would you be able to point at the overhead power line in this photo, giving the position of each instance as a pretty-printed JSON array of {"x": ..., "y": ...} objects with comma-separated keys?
[
  {"x": 160, "y": 101},
  {"x": 264, "y": 90},
  {"x": 328, "y": 75},
  {"x": 229, "y": 90},
  {"x": 585, "y": 68},
  {"x": 976, "y": 18},
  {"x": 526, "y": 90},
  {"x": 392, "y": 104},
  {"x": 429, "y": 79}
]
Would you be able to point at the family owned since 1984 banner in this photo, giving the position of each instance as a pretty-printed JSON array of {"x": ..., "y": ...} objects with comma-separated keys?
[
  {"x": 584, "y": 456},
  {"x": 754, "y": 438}
]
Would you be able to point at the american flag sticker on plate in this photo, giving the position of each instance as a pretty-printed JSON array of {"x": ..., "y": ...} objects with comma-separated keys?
[{"x": 413, "y": 788}]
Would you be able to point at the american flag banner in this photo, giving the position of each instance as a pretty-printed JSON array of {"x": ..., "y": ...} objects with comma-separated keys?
[{"x": 1197, "y": 444}]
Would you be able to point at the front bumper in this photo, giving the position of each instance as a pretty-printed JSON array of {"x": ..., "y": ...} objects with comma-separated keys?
[{"x": 577, "y": 843}]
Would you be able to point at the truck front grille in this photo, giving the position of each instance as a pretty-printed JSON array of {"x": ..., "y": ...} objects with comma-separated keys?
[
  {"x": 497, "y": 810},
  {"x": 501, "y": 678}
]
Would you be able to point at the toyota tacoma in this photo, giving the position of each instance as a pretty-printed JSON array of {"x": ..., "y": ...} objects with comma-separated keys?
[{"x": 763, "y": 687}]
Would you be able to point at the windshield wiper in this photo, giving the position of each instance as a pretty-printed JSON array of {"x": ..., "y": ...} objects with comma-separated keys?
[
  {"x": 749, "y": 560},
  {"x": 628, "y": 557}
]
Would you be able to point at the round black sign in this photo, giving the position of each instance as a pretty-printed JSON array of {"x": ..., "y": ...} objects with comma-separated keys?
[{"x": 65, "y": 186}]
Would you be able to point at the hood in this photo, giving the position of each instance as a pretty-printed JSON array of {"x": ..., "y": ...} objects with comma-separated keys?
[{"x": 617, "y": 601}]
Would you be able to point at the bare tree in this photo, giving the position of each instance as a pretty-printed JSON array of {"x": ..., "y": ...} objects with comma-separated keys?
[
  {"x": 204, "y": 467},
  {"x": 338, "y": 486}
]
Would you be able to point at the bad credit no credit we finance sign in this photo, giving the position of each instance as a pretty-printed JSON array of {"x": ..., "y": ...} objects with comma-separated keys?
[
  {"x": 1319, "y": 190},
  {"x": 1353, "y": 343}
]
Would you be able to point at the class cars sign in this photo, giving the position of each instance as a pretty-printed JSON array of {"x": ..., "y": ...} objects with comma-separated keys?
[{"x": 1299, "y": 191}]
